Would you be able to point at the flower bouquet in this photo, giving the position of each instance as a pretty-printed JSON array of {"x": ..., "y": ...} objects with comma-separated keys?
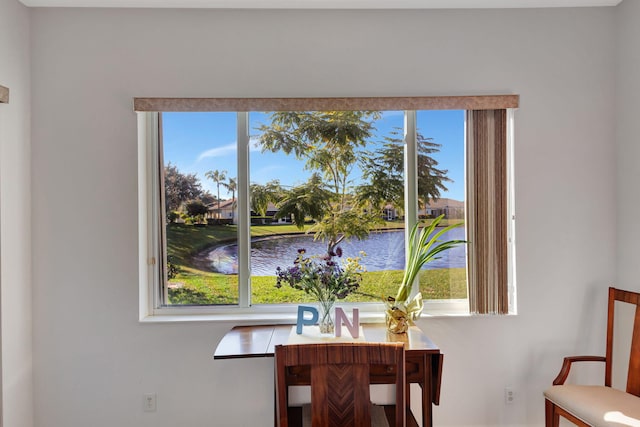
[{"x": 324, "y": 278}]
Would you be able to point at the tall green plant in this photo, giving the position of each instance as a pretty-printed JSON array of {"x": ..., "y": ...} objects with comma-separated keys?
[{"x": 422, "y": 249}]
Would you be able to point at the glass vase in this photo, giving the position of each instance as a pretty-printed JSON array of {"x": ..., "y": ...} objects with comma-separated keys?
[{"x": 325, "y": 316}]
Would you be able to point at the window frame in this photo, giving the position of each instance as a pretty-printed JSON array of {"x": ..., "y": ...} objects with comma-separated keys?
[{"x": 151, "y": 230}]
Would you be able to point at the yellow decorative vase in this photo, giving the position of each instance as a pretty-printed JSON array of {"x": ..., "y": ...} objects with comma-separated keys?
[{"x": 398, "y": 321}]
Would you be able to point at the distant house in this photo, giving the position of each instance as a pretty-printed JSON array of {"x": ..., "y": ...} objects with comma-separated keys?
[
  {"x": 225, "y": 212},
  {"x": 272, "y": 210},
  {"x": 451, "y": 208},
  {"x": 390, "y": 213}
]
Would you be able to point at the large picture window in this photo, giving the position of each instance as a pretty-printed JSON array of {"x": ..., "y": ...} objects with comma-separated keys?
[{"x": 230, "y": 197}]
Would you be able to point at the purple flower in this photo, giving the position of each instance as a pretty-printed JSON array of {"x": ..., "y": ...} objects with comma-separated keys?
[{"x": 321, "y": 276}]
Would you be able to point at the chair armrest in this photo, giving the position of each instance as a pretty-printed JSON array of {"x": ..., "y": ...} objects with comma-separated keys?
[{"x": 566, "y": 366}]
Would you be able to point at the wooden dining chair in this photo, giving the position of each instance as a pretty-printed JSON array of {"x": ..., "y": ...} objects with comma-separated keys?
[
  {"x": 599, "y": 406},
  {"x": 339, "y": 375}
]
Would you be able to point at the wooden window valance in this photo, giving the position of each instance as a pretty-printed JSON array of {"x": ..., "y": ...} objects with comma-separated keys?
[
  {"x": 4, "y": 95},
  {"x": 481, "y": 102}
]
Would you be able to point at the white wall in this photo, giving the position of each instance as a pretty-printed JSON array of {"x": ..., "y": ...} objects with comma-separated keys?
[
  {"x": 93, "y": 360},
  {"x": 628, "y": 173},
  {"x": 15, "y": 214},
  {"x": 628, "y": 129}
]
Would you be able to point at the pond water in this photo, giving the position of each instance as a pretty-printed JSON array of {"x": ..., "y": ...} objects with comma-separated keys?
[{"x": 384, "y": 251}]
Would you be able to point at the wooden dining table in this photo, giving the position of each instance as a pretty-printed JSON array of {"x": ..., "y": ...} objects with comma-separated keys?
[{"x": 422, "y": 357}]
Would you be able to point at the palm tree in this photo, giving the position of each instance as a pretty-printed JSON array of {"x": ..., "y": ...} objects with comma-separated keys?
[
  {"x": 218, "y": 177},
  {"x": 232, "y": 186}
]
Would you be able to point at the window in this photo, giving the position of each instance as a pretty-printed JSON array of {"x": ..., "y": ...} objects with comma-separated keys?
[
  {"x": 199, "y": 177},
  {"x": 229, "y": 196},
  {"x": 321, "y": 170}
]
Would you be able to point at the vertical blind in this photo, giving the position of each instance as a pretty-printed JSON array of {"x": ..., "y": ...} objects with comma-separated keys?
[{"x": 487, "y": 211}]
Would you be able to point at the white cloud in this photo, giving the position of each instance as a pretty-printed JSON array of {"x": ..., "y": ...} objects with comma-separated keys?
[
  {"x": 229, "y": 149},
  {"x": 225, "y": 150}
]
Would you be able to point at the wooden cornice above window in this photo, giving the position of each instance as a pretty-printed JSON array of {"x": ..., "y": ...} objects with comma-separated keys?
[
  {"x": 482, "y": 102},
  {"x": 4, "y": 95}
]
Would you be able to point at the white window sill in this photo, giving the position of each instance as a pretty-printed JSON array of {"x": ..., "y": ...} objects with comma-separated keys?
[{"x": 369, "y": 313}]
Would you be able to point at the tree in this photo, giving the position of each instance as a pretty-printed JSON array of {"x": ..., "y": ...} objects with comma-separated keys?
[
  {"x": 179, "y": 187},
  {"x": 196, "y": 209},
  {"x": 384, "y": 170},
  {"x": 232, "y": 186},
  {"x": 328, "y": 142},
  {"x": 207, "y": 198},
  {"x": 172, "y": 216},
  {"x": 262, "y": 195},
  {"x": 219, "y": 178},
  {"x": 307, "y": 200},
  {"x": 384, "y": 179},
  {"x": 430, "y": 179}
]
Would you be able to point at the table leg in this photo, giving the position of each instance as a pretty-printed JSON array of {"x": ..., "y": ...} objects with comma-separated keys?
[
  {"x": 407, "y": 396},
  {"x": 427, "y": 408}
]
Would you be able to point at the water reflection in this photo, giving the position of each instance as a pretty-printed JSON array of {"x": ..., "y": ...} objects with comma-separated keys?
[{"x": 385, "y": 251}]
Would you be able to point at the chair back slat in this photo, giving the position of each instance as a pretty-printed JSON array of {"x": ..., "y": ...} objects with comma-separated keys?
[
  {"x": 340, "y": 395},
  {"x": 633, "y": 374},
  {"x": 633, "y": 378},
  {"x": 340, "y": 380}
]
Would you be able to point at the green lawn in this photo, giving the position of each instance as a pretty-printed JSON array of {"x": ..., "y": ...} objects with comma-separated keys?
[{"x": 195, "y": 286}]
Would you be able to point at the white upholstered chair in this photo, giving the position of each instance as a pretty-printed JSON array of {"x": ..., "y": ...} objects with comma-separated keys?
[{"x": 595, "y": 405}]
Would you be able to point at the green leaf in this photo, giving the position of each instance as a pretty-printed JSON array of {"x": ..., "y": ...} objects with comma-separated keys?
[{"x": 423, "y": 249}]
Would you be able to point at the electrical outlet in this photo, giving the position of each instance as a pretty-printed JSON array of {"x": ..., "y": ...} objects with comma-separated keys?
[
  {"x": 150, "y": 402},
  {"x": 509, "y": 396}
]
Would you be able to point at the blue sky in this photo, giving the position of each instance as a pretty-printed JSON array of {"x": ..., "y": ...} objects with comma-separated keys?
[{"x": 200, "y": 142}]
